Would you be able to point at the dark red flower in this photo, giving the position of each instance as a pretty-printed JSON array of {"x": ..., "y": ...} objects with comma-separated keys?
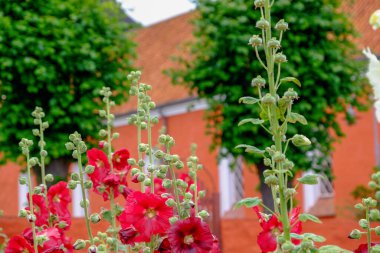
[
  {"x": 127, "y": 235},
  {"x": 40, "y": 210},
  {"x": 18, "y": 244},
  {"x": 273, "y": 227},
  {"x": 120, "y": 160},
  {"x": 363, "y": 248},
  {"x": 190, "y": 235},
  {"x": 101, "y": 144},
  {"x": 146, "y": 212},
  {"x": 164, "y": 246}
]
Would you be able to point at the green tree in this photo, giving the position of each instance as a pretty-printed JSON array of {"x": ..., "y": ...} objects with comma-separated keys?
[
  {"x": 320, "y": 54},
  {"x": 57, "y": 55}
]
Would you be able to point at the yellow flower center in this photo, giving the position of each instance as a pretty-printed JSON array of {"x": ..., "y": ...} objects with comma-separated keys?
[
  {"x": 189, "y": 239},
  {"x": 150, "y": 213}
]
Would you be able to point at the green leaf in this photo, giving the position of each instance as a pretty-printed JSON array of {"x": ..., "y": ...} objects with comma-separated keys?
[
  {"x": 309, "y": 179},
  {"x": 306, "y": 216},
  {"x": 248, "y": 202},
  {"x": 251, "y": 149},
  {"x": 295, "y": 117},
  {"x": 248, "y": 100},
  {"x": 332, "y": 249},
  {"x": 106, "y": 214},
  {"x": 314, "y": 237},
  {"x": 253, "y": 121},
  {"x": 291, "y": 79},
  {"x": 296, "y": 236}
]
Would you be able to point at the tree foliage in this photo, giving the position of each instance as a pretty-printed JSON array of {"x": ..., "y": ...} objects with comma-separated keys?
[
  {"x": 320, "y": 54},
  {"x": 58, "y": 55}
]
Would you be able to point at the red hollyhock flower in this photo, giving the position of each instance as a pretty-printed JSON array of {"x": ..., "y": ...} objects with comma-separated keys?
[
  {"x": 18, "y": 244},
  {"x": 363, "y": 248},
  {"x": 147, "y": 213},
  {"x": 59, "y": 198},
  {"x": 40, "y": 210},
  {"x": 215, "y": 246},
  {"x": 103, "y": 179},
  {"x": 190, "y": 235},
  {"x": 53, "y": 244},
  {"x": 164, "y": 247},
  {"x": 273, "y": 227},
  {"x": 120, "y": 160}
]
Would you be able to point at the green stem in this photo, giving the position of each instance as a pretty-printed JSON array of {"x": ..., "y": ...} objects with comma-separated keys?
[
  {"x": 84, "y": 199},
  {"x": 112, "y": 194},
  {"x": 368, "y": 230},
  {"x": 31, "y": 208},
  {"x": 150, "y": 151},
  {"x": 195, "y": 190},
  {"x": 176, "y": 195},
  {"x": 274, "y": 121},
  {"x": 42, "y": 165}
]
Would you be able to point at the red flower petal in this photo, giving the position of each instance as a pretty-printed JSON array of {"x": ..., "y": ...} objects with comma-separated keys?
[
  {"x": 120, "y": 160},
  {"x": 18, "y": 244}
]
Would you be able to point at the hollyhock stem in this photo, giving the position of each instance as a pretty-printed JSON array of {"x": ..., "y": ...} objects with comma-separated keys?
[
  {"x": 368, "y": 229},
  {"x": 176, "y": 194},
  {"x": 31, "y": 208},
  {"x": 109, "y": 155},
  {"x": 274, "y": 123},
  {"x": 84, "y": 199},
  {"x": 150, "y": 151}
]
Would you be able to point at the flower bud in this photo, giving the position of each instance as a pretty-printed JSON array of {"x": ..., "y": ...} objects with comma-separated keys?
[
  {"x": 131, "y": 161},
  {"x": 167, "y": 183},
  {"x": 115, "y": 135},
  {"x": 355, "y": 234},
  {"x": 202, "y": 193},
  {"x": 203, "y": 214},
  {"x": 92, "y": 249},
  {"x": 43, "y": 153},
  {"x": 188, "y": 196},
  {"x": 141, "y": 163},
  {"x": 374, "y": 214},
  {"x": 281, "y": 25},
  {"x": 72, "y": 184},
  {"x": 179, "y": 165},
  {"x": 89, "y": 169},
  {"x": 173, "y": 220},
  {"x": 268, "y": 99},
  {"x": 147, "y": 182},
  {"x": 267, "y": 162},
  {"x": 291, "y": 94},
  {"x": 159, "y": 154},
  {"x": 88, "y": 184},
  {"x": 22, "y": 213},
  {"x": 288, "y": 165},
  {"x": 79, "y": 244},
  {"x": 102, "y": 133},
  {"x": 262, "y": 24},
  {"x": 62, "y": 224},
  {"x": 31, "y": 217},
  {"x": 278, "y": 157},
  {"x": 49, "y": 178},
  {"x": 259, "y": 3},
  {"x": 140, "y": 177},
  {"x": 82, "y": 203},
  {"x": 95, "y": 218},
  {"x": 287, "y": 246},
  {"x": 360, "y": 206},
  {"x": 33, "y": 161},
  {"x": 372, "y": 185},
  {"x": 75, "y": 176},
  {"x": 170, "y": 202},
  {"x": 300, "y": 140},
  {"x": 69, "y": 146},
  {"x": 280, "y": 58},
  {"x": 377, "y": 230},
  {"x": 363, "y": 223},
  {"x": 308, "y": 244},
  {"x": 274, "y": 43},
  {"x": 271, "y": 180},
  {"x": 255, "y": 41}
]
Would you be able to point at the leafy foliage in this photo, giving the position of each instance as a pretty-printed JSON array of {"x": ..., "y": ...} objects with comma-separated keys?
[
  {"x": 320, "y": 54},
  {"x": 58, "y": 55}
]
